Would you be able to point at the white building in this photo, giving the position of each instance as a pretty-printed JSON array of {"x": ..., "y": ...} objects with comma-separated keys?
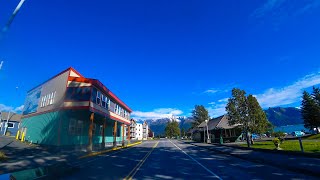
[{"x": 139, "y": 131}]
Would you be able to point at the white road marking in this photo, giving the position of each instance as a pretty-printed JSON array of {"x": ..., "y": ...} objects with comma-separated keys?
[{"x": 197, "y": 162}]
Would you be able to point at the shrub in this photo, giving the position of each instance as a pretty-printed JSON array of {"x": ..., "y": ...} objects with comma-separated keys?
[
  {"x": 277, "y": 141},
  {"x": 279, "y": 134}
]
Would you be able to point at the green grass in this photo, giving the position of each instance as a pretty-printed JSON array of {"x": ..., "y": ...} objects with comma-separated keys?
[
  {"x": 290, "y": 145},
  {"x": 313, "y": 137}
]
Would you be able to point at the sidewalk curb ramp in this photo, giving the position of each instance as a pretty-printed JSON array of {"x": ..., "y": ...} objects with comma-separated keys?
[{"x": 287, "y": 166}]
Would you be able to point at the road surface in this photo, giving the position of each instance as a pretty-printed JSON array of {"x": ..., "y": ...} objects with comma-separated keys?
[{"x": 171, "y": 159}]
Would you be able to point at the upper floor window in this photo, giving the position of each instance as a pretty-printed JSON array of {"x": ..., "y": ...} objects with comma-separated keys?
[
  {"x": 108, "y": 103},
  {"x": 47, "y": 99},
  {"x": 78, "y": 94},
  {"x": 103, "y": 101},
  {"x": 98, "y": 100}
]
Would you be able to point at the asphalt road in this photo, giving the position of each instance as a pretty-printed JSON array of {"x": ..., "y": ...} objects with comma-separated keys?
[{"x": 170, "y": 159}]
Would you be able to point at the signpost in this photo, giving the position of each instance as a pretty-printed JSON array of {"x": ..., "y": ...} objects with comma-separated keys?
[{"x": 300, "y": 142}]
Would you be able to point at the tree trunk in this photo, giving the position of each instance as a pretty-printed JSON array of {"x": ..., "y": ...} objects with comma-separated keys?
[
  {"x": 248, "y": 139},
  {"x": 317, "y": 129}
]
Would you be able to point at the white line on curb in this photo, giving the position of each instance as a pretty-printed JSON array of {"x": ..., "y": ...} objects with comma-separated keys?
[{"x": 197, "y": 162}]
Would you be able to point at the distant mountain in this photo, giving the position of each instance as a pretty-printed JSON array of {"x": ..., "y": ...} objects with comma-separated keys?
[
  {"x": 158, "y": 125},
  {"x": 279, "y": 116}
]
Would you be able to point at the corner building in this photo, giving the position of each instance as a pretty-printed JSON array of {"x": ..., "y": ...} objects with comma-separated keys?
[{"x": 70, "y": 109}]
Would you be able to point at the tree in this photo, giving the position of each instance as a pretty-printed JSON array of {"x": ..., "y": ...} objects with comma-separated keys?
[
  {"x": 310, "y": 109},
  {"x": 247, "y": 113},
  {"x": 257, "y": 117},
  {"x": 183, "y": 132},
  {"x": 172, "y": 129},
  {"x": 199, "y": 115}
]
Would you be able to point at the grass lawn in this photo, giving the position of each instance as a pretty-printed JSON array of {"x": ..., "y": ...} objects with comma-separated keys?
[
  {"x": 290, "y": 145},
  {"x": 313, "y": 137}
]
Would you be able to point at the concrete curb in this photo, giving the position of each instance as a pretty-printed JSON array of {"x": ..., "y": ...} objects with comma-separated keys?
[
  {"x": 263, "y": 161},
  {"x": 295, "y": 153},
  {"x": 108, "y": 150}
]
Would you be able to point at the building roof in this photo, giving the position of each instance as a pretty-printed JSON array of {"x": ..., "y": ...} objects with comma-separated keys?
[
  {"x": 220, "y": 122},
  {"x": 94, "y": 82},
  {"x": 202, "y": 125},
  {"x": 13, "y": 116}
]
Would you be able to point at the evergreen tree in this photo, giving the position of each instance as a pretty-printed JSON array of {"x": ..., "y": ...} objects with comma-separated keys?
[
  {"x": 172, "y": 129},
  {"x": 247, "y": 113},
  {"x": 199, "y": 115},
  {"x": 258, "y": 118},
  {"x": 310, "y": 109}
]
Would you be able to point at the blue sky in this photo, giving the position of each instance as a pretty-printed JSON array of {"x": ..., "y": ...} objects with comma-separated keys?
[{"x": 164, "y": 57}]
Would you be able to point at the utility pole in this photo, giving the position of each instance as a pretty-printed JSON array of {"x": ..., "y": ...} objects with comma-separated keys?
[
  {"x": 15, "y": 12},
  {"x": 6, "y": 125}
]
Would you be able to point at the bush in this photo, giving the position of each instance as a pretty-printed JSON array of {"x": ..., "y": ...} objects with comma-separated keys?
[
  {"x": 279, "y": 134},
  {"x": 277, "y": 141}
]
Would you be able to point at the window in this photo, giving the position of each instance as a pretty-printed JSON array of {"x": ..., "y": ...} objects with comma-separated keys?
[
  {"x": 42, "y": 102},
  {"x": 108, "y": 103},
  {"x": 101, "y": 130},
  {"x": 115, "y": 108},
  {"x": 79, "y": 127},
  {"x": 94, "y": 95},
  {"x": 78, "y": 94},
  {"x": 10, "y": 125},
  {"x": 48, "y": 99},
  {"x": 103, "y": 100},
  {"x": 98, "y": 100},
  {"x": 75, "y": 127},
  {"x": 52, "y": 96},
  {"x": 72, "y": 126}
]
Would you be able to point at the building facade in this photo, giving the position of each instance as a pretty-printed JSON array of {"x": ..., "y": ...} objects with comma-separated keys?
[
  {"x": 145, "y": 130},
  {"x": 9, "y": 123},
  {"x": 133, "y": 130},
  {"x": 139, "y": 131},
  {"x": 70, "y": 109}
]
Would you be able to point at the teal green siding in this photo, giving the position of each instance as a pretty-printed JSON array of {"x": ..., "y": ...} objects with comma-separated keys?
[
  {"x": 53, "y": 128},
  {"x": 42, "y": 129}
]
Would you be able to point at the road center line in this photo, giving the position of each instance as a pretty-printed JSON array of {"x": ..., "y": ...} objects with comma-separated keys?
[
  {"x": 136, "y": 169},
  {"x": 197, "y": 162}
]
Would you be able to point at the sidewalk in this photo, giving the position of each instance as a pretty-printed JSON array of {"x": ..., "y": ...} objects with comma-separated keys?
[
  {"x": 301, "y": 164},
  {"x": 22, "y": 156}
]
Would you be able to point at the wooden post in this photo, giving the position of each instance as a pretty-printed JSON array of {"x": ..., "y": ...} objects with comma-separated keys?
[
  {"x": 122, "y": 134},
  {"x": 103, "y": 144},
  {"x": 230, "y": 133},
  {"x": 89, "y": 147},
  {"x": 301, "y": 146},
  {"x": 115, "y": 133}
]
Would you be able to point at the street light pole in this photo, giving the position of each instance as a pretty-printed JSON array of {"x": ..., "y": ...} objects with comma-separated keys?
[
  {"x": 208, "y": 140},
  {"x": 204, "y": 135}
]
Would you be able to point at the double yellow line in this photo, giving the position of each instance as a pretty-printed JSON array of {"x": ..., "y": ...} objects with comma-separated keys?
[{"x": 136, "y": 169}]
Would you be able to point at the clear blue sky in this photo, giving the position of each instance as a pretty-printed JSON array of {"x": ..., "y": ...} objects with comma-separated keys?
[{"x": 163, "y": 57}]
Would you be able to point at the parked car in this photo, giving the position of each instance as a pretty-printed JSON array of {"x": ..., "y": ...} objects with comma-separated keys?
[
  {"x": 297, "y": 133},
  {"x": 255, "y": 136}
]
